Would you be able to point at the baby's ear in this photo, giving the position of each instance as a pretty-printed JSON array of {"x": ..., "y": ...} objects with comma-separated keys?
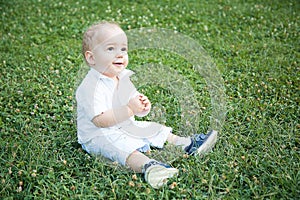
[{"x": 89, "y": 58}]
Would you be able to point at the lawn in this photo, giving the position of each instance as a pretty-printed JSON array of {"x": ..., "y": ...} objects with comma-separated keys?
[{"x": 254, "y": 47}]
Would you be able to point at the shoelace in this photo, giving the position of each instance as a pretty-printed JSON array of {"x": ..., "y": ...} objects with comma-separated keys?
[
  {"x": 195, "y": 143},
  {"x": 153, "y": 162},
  {"x": 200, "y": 137}
]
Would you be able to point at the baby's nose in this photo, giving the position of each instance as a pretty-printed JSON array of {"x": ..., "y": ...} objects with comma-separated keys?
[{"x": 120, "y": 54}]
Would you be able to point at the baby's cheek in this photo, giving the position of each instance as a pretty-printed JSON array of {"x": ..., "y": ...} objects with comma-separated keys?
[{"x": 126, "y": 60}]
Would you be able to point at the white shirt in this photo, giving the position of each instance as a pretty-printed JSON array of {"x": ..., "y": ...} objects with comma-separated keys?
[{"x": 95, "y": 95}]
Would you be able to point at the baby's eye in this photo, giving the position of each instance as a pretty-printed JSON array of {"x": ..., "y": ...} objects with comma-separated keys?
[
  {"x": 124, "y": 49},
  {"x": 110, "y": 48}
]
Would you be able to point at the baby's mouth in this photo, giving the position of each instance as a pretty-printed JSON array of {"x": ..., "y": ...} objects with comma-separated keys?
[{"x": 118, "y": 64}]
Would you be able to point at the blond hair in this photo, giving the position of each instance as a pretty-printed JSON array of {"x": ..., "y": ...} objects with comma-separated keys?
[{"x": 89, "y": 35}]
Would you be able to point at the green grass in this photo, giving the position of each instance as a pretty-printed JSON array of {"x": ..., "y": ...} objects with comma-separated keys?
[{"x": 255, "y": 45}]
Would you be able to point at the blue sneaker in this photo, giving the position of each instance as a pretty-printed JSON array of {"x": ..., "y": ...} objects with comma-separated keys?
[
  {"x": 201, "y": 143},
  {"x": 157, "y": 174}
]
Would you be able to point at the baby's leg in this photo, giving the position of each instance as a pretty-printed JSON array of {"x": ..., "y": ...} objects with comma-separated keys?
[
  {"x": 179, "y": 141},
  {"x": 155, "y": 173},
  {"x": 136, "y": 160}
]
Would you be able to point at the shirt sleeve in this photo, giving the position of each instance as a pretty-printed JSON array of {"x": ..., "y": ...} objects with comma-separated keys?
[
  {"x": 101, "y": 101},
  {"x": 90, "y": 101}
]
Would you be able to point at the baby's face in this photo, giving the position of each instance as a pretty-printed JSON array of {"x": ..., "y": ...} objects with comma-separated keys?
[{"x": 110, "y": 51}]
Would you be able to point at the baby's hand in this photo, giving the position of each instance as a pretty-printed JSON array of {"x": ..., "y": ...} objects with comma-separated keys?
[
  {"x": 136, "y": 105},
  {"x": 145, "y": 101}
]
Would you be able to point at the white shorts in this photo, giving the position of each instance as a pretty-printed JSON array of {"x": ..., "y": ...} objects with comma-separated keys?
[{"x": 118, "y": 145}]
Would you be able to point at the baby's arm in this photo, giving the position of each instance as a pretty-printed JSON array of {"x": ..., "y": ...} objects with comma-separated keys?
[
  {"x": 112, "y": 117},
  {"x": 117, "y": 115}
]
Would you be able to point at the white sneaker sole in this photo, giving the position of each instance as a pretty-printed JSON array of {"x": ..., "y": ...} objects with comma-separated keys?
[
  {"x": 157, "y": 175},
  {"x": 208, "y": 144}
]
